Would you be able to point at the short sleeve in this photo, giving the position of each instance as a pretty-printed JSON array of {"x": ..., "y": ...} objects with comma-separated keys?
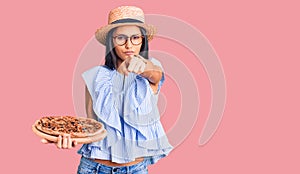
[{"x": 89, "y": 77}]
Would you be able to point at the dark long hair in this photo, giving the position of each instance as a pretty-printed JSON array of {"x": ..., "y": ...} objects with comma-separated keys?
[{"x": 110, "y": 54}]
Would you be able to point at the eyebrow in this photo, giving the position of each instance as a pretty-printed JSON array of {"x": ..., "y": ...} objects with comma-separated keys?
[{"x": 127, "y": 35}]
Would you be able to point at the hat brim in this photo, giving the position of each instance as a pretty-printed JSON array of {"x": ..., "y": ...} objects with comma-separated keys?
[{"x": 102, "y": 32}]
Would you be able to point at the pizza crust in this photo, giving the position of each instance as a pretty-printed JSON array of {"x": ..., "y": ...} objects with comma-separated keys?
[
  {"x": 81, "y": 129},
  {"x": 85, "y": 140}
]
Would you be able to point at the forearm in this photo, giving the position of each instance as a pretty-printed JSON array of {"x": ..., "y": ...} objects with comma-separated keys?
[{"x": 152, "y": 72}]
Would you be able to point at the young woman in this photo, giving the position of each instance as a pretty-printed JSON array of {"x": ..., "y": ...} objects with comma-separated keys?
[{"x": 123, "y": 95}]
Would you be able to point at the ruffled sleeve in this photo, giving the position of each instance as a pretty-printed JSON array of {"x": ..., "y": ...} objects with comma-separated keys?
[
  {"x": 89, "y": 77},
  {"x": 128, "y": 109},
  {"x": 140, "y": 103},
  {"x": 104, "y": 104}
]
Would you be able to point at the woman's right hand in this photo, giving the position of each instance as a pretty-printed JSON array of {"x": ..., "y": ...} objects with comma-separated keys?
[
  {"x": 63, "y": 142},
  {"x": 135, "y": 64}
]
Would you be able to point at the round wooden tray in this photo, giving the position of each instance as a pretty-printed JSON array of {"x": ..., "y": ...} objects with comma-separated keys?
[{"x": 85, "y": 140}]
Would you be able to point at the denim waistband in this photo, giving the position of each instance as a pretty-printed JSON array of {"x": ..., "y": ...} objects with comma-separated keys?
[{"x": 118, "y": 169}]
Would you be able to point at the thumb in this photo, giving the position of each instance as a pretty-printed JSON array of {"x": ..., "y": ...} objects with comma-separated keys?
[
  {"x": 44, "y": 141},
  {"x": 128, "y": 60}
]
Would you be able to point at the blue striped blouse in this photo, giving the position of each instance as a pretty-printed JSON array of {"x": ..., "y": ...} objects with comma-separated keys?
[{"x": 127, "y": 107}]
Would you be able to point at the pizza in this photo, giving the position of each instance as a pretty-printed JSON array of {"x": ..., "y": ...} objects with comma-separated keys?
[{"x": 77, "y": 127}]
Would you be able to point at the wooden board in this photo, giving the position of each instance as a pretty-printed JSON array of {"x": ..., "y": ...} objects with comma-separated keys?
[{"x": 85, "y": 140}]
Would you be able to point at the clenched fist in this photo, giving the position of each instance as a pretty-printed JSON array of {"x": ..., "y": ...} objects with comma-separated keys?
[{"x": 135, "y": 64}]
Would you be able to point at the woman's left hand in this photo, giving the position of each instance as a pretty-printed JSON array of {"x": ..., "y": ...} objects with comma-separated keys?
[{"x": 63, "y": 142}]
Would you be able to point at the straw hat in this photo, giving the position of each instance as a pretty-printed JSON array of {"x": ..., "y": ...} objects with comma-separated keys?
[{"x": 125, "y": 15}]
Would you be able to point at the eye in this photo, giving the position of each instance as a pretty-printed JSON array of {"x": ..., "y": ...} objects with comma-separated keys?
[
  {"x": 135, "y": 37},
  {"x": 121, "y": 37}
]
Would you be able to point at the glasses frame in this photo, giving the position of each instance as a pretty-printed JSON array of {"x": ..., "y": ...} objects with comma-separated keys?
[{"x": 127, "y": 37}]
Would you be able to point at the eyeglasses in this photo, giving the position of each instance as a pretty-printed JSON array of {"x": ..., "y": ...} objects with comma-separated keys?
[{"x": 122, "y": 39}]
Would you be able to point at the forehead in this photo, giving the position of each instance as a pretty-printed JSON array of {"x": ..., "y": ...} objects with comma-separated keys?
[{"x": 127, "y": 30}]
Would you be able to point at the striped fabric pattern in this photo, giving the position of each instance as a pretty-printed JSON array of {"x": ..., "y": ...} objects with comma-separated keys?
[{"x": 127, "y": 107}]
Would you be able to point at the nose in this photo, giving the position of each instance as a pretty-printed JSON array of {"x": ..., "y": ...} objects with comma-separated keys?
[{"x": 128, "y": 43}]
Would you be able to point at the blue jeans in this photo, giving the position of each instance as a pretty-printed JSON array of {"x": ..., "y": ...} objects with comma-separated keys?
[{"x": 88, "y": 166}]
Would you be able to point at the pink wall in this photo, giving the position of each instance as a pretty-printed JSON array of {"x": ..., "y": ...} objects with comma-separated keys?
[{"x": 42, "y": 54}]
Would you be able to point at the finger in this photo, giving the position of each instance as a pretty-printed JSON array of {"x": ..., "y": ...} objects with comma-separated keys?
[
  {"x": 127, "y": 61},
  {"x": 128, "y": 58},
  {"x": 141, "y": 58},
  {"x": 69, "y": 142},
  {"x": 132, "y": 64},
  {"x": 74, "y": 143},
  {"x": 133, "y": 67},
  {"x": 44, "y": 141},
  {"x": 143, "y": 67},
  {"x": 65, "y": 141},
  {"x": 138, "y": 67},
  {"x": 125, "y": 70},
  {"x": 59, "y": 140}
]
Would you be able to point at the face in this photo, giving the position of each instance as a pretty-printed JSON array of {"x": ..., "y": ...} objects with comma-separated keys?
[{"x": 127, "y": 41}]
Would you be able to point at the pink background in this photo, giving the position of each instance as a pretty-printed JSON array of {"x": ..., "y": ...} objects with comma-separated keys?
[{"x": 257, "y": 43}]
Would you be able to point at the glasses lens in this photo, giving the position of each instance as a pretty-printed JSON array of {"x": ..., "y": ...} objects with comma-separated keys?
[
  {"x": 135, "y": 40},
  {"x": 121, "y": 39}
]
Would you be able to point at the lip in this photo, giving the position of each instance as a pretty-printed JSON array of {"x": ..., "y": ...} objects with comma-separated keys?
[{"x": 129, "y": 52}]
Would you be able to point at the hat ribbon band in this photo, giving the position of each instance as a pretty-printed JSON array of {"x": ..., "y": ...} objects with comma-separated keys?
[{"x": 127, "y": 20}]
